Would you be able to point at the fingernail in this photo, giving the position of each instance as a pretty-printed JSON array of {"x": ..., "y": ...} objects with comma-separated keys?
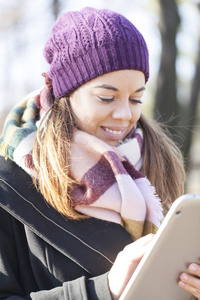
[
  {"x": 184, "y": 276},
  {"x": 193, "y": 267},
  {"x": 181, "y": 283}
]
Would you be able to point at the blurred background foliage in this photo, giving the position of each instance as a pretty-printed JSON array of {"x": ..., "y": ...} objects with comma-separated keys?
[{"x": 172, "y": 31}]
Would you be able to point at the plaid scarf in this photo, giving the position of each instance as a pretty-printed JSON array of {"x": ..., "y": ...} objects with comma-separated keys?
[
  {"x": 19, "y": 131},
  {"x": 16, "y": 142},
  {"x": 109, "y": 184}
]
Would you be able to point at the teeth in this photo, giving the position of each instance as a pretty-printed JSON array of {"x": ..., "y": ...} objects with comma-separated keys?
[{"x": 113, "y": 131}]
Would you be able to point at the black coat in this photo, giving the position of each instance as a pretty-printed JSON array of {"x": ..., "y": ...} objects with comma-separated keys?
[{"x": 45, "y": 256}]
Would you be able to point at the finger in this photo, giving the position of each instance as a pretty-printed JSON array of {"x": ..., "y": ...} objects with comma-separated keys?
[
  {"x": 191, "y": 289},
  {"x": 190, "y": 284},
  {"x": 190, "y": 280},
  {"x": 194, "y": 269},
  {"x": 145, "y": 239},
  {"x": 137, "y": 249}
]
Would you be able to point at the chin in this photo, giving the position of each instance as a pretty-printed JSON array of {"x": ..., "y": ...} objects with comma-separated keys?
[{"x": 113, "y": 143}]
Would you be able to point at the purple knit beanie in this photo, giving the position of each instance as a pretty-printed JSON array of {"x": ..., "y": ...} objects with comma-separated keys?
[{"x": 87, "y": 44}]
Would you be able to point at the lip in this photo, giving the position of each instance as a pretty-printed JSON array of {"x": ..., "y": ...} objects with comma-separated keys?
[{"x": 114, "y": 136}]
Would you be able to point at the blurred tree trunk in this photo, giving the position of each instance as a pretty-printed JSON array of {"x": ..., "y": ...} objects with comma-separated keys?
[
  {"x": 56, "y": 8},
  {"x": 191, "y": 111},
  {"x": 167, "y": 109},
  {"x": 166, "y": 106}
]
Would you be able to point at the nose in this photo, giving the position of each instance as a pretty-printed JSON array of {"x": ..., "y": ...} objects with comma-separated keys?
[{"x": 122, "y": 111}]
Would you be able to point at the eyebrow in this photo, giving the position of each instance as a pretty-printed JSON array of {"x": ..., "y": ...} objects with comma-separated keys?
[
  {"x": 140, "y": 89},
  {"x": 110, "y": 87}
]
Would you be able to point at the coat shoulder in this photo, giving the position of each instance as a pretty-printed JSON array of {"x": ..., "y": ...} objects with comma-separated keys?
[
  {"x": 12, "y": 175},
  {"x": 9, "y": 169}
]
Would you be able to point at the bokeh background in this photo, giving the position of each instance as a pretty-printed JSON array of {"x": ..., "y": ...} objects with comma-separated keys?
[{"x": 172, "y": 31}]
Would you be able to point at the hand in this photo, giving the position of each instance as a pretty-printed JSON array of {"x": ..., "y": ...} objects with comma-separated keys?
[
  {"x": 190, "y": 283},
  {"x": 125, "y": 264}
]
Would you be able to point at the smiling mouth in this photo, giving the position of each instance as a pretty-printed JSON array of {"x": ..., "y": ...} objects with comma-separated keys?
[{"x": 116, "y": 132}]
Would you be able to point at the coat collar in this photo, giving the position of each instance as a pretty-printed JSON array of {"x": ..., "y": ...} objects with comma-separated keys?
[{"x": 82, "y": 241}]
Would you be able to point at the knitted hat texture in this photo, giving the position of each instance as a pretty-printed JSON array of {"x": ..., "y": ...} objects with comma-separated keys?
[{"x": 89, "y": 43}]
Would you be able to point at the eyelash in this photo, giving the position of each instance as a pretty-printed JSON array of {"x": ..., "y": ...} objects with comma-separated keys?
[
  {"x": 110, "y": 100},
  {"x": 136, "y": 101}
]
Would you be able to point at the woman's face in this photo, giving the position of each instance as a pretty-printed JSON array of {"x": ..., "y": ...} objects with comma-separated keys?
[{"x": 109, "y": 106}]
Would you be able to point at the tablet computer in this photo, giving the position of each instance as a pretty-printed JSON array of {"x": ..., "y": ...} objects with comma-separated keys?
[{"x": 175, "y": 246}]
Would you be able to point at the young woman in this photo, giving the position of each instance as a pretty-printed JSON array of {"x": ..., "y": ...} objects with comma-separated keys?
[{"x": 103, "y": 174}]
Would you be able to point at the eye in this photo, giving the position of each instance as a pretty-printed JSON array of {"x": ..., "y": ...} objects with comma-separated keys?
[
  {"x": 104, "y": 99},
  {"x": 135, "y": 101}
]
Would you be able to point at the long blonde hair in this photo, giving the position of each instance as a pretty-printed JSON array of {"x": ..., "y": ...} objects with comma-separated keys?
[{"x": 162, "y": 160}]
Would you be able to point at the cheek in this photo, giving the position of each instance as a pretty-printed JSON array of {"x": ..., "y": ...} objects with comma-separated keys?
[
  {"x": 79, "y": 110},
  {"x": 86, "y": 120},
  {"x": 136, "y": 113}
]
